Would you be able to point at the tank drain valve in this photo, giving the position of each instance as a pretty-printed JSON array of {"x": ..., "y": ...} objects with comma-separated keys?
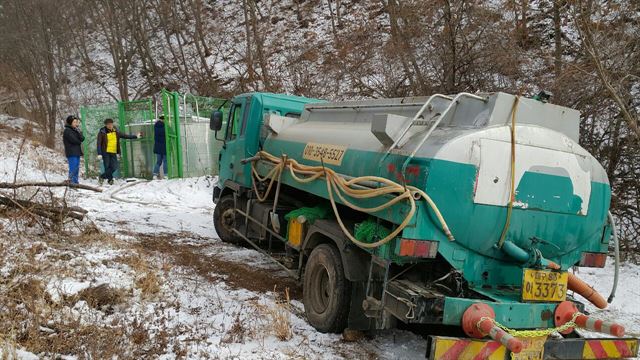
[
  {"x": 565, "y": 312},
  {"x": 478, "y": 322},
  {"x": 250, "y": 159}
]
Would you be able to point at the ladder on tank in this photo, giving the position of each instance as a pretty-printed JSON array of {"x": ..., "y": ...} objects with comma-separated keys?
[{"x": 433, "y": 124}]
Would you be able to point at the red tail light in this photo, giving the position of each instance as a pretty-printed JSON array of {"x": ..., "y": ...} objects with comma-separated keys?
[
  {"x": 590, "y": 259},
  {"x": 418, "y": 248}
]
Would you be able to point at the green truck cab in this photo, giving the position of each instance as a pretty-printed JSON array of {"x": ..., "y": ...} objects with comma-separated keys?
[{"x": 242, "y": 130}]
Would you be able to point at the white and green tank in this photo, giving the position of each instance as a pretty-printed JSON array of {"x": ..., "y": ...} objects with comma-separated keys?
[{"x": 561, "y": 192}]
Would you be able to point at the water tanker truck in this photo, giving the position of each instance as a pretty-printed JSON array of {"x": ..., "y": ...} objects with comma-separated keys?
[{"x": 460, "y": 212}]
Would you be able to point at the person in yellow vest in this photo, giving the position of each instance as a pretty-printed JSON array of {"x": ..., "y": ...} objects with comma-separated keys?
[{"x": 109, "y": 149}]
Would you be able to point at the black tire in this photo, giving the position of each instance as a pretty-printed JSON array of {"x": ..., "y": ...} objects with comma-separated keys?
[
  {"x": 326, "y": 291},
  {"x": 225, "y": 218}
]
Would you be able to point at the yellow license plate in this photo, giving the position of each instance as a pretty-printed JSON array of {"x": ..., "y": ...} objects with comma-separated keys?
[
  {"x": 543, "y": 285},
  {"x": 533, "y": 349}
]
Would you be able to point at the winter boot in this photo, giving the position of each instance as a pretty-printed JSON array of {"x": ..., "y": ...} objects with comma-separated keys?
[
  {"x": 100, "y": 180},
  {"x": 110, "y": 181}
]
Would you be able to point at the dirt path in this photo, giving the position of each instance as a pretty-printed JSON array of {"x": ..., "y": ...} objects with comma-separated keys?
[{"x": 215, "y": 268}]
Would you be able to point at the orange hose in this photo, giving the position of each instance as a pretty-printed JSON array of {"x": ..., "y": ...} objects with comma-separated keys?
[
  {"x": 574, "y": 283},
  {"x": 588, "y": 292}
]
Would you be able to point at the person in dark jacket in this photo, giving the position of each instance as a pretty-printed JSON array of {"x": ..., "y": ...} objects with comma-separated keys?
[
  {"x": 159, "y": 148},
  {"x": 109, "y": 149},
  {"x": 72, "y": 139}
]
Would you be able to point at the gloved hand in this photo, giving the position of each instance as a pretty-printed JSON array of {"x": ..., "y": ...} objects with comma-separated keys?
[
  {"x": 119, "y": 157},
  {"x": 100, "y": 157},
  {"x": 139, "y": 135}
]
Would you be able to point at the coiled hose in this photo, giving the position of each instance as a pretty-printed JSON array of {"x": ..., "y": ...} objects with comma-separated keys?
[{"x": 338, "y": 185}]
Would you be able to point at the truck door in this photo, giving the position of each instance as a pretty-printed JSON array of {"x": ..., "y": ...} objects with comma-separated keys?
[{"x": 234, "y": 148}]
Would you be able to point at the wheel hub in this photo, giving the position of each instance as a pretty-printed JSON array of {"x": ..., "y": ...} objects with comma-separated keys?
[
  {"x": 228, "y": 219},
  {"x": 322, "y": 292}
]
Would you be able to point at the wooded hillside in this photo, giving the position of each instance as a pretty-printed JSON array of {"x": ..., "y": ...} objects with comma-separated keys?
[{"x": 56, "y": 55}]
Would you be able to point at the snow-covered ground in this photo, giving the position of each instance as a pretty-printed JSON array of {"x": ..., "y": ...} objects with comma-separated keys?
[
  {"x": 625, "y": 307},
  {"x": 158, "y": 272},
  {"x": 156, "y": 282}
]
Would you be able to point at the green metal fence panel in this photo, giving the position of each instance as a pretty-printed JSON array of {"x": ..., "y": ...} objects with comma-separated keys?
[
  {"x": 172, "y": 133},
  {"x": 137, "y": 155},
  {"x": 192, "y": 149},
  {"x": 92, "y": 118}
]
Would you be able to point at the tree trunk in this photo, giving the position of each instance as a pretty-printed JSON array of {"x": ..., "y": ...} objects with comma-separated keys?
[
  {"x": 557, "y": 37},
  {"x": 247, "y": 32}
]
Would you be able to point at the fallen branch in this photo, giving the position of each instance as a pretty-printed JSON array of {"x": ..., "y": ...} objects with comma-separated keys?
[
  {"x": 49, "y": 184},
  {"x": 50, "y": 212}
]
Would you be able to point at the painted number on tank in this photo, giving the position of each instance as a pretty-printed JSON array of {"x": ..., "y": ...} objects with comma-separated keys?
[
  {"x": 329, "y": 154},
  {"x": 542, "y": 285}
]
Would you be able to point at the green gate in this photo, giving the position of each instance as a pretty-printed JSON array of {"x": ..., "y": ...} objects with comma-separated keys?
[
  {"x": 137, "y": 155},
  {"x": 92, "y": 117},
  {"x": 192, "y": 149},
  {"x": 170, "y": 110}
]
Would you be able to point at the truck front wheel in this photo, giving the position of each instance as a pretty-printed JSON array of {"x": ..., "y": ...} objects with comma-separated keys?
[
  {"x": 326, "y": 291},
  {"x": 225, "y": 219}
]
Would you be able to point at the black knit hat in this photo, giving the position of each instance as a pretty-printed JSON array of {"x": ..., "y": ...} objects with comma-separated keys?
[{"x": 70, "y": 119}]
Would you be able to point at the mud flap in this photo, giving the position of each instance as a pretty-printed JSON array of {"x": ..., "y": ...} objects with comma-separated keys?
[{"x": 357, "y": 319}]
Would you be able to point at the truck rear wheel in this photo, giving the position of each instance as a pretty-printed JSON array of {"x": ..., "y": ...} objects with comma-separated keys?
[
  {"x": 225, "y": 219},
  {"x": 326, "y": 291}
]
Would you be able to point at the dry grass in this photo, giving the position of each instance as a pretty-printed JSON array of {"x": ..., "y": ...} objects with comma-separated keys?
[
  {"x": 90, "y": 234},
  {"x": 29, "y": 293},
  {"x": 134, "y": 261},
  {"x": 139, "y": 334},
  {"x": 32, "y": 320},
  {"x": 101, "y": 297},
  {"x": 278, "y": 316},
  {"x": 42, "y": 326},
  {"x": 105, "y": 328},
  {"x": 259, "y": 320},
  {"x": 149, "y": 284},
  {"x": 238, "y": 331},
  {"x": 8, "y": 350}
]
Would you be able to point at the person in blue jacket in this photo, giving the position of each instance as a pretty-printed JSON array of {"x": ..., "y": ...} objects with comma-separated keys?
[
  {"x": 160, "y": 149},
  {"x": 72, "y": 139}
]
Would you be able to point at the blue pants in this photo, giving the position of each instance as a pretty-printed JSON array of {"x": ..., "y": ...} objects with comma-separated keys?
[
  {"x": 161, "y": 159},
  {"x": 74, "y": 168},
  {"x": 110, "y": 162}
]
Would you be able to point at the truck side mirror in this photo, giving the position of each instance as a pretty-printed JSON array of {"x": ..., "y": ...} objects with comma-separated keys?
[{"x": 215, "y": 122}]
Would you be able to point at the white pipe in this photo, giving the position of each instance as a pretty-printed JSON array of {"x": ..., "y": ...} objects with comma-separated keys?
[
  {"x": 616, "y": 252},
  {"x": 185, "y": 146}
]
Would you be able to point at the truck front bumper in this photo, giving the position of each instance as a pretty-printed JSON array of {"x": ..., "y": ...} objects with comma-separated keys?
[{"x": 449, "y": 348}]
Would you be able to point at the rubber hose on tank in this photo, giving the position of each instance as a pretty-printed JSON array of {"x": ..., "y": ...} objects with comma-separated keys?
[
  {"x": 576, "y": 284},
  {"x": 616, "y": 252},
  {"x": 586, "y": 291}
]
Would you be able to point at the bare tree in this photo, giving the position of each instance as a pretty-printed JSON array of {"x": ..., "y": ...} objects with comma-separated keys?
[
  {"x": 35, "y": 48},
  {"x": 592, "y": 41}
]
